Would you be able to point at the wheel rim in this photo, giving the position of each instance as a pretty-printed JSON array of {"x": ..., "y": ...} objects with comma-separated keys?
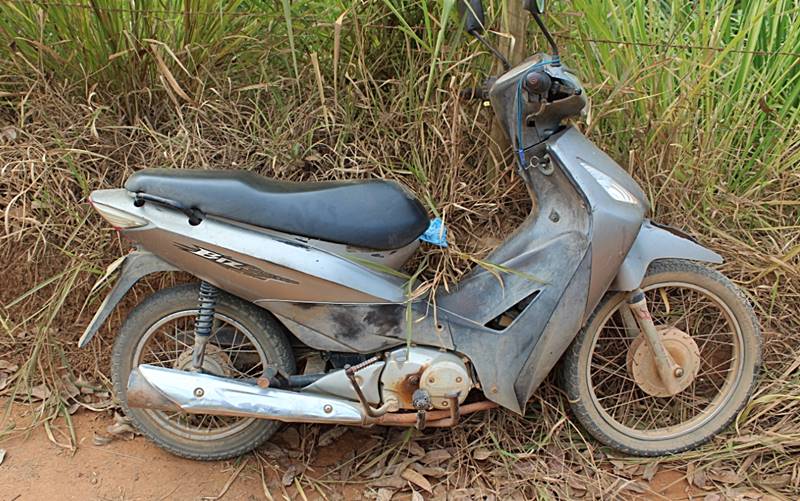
[
  {"x": 232, "y": 351},
  {"x": 627, "y": 408}
]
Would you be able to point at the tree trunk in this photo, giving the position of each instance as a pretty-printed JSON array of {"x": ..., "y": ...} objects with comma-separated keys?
[{"x": 514, "y": 24}]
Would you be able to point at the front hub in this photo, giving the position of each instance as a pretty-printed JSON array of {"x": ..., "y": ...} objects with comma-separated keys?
[{"x": 642, "y": 363}]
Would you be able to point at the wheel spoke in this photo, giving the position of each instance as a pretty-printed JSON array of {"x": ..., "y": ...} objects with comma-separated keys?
[
  {"x": 687, "y": 308},
  {"x": 168, "y": 343}
]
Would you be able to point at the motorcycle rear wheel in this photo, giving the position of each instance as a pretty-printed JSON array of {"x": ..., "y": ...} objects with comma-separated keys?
[
  {"x": 613, "y": 402},
  {"x": 159, "y": 331}
]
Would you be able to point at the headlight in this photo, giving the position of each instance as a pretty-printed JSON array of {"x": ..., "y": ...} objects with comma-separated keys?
[
  {"x": 118, "y": 218},
  {"x": 613, "y": 188}
]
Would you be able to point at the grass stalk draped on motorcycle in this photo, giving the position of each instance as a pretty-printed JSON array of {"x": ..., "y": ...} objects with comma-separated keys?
[{"x": 658, "y": 352}]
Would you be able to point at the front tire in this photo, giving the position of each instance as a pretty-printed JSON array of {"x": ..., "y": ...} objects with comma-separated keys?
[
  {"x": 244, "y": 339},
  {"x": 603, "y": 389}
]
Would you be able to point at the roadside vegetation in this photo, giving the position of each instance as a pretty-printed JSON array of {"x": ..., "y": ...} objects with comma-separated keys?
[{"x": 700, "y": 101}]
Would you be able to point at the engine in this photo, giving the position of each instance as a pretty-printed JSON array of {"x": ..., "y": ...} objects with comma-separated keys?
[{"x": 438, "y": 374}]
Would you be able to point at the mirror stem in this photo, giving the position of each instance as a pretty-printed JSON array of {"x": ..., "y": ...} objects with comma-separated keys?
[
  {"x": 549, "y": 37},
  {"x": 497, "y": 54}
]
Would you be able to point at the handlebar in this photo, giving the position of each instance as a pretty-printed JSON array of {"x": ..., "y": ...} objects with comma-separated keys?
[
  {"x": 537, "y": 82},
  {"x": 480, "y": 93},
  {"x": 474, "y": 93}
]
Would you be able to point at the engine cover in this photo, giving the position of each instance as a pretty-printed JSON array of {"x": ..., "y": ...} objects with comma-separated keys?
[{"x": 439, "y": 373}]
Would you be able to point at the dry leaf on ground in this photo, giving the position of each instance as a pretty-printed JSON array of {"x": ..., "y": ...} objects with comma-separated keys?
[
  {"x": 121, "y": 428},
  {"x": 725, "y": 476},
  {"x": 414, "y": 449},
  {"x": 650, "y": 470},
  {"x": 385, "y": 494},
  {"x": 432, "y": 458},
  {"x": 8, "y": 133},
  {"x": 699, "y": 479},
  {"x": 272, "y": 451},
  {"x": 40, "y": 392},
  {"x": 429, "y": 471},
  {"x": 101, "y": 440},
  {"x": 7, "y": 366},
  {"x": 417, "y": 479},
  {"x": 288, "y": 475},
  {"x": 391, "y": 482}
]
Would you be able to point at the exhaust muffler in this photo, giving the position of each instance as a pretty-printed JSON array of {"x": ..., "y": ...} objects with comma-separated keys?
[{"x": 159, "y": 388}]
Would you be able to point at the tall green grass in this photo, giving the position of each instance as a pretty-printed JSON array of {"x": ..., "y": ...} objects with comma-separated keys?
[
  {"x": 735, "y": 109},
  {"x": 138, "y": 50}
]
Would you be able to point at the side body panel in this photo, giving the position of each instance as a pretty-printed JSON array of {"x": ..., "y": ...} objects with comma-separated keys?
[
  {"x": 254, "y": 264},
  {"x": 562, "y": 257},
  {"x": 363, "y": 328},
  {"x": 567, "y": 252}
]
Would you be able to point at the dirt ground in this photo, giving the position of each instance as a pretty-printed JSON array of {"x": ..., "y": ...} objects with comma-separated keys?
[{"x": 34, "y": 468}]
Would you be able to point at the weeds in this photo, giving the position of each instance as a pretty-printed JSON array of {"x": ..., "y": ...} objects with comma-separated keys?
[{"x": 331, "y": 90}]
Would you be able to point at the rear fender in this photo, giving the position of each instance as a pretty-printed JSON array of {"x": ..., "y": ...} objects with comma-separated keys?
[
  {"x": 657, "y": 242},
  {"x": 136, "y": 265}
]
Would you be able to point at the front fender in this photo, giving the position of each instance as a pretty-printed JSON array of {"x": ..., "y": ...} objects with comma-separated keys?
[
  {"x": 136, "y": 265},
  {"x": 657, "y": 242}
]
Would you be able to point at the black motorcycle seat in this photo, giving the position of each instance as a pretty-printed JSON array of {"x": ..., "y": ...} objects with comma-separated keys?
[{"x": 374, "y": 214}]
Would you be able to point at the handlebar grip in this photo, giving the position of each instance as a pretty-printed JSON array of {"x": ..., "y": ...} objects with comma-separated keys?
[
  {"x": 474, "y": 93},
  {"x": 538, "y": 82},
  {"x": 481, "y": 93}
]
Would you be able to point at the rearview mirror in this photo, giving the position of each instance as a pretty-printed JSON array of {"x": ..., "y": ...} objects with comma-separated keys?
[
  {"x": 535, "y": 6},
  {"x": 472, "y": 12}
]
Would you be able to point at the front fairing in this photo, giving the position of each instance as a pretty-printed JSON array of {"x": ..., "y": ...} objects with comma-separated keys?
[{"x": 614, "y": 224}]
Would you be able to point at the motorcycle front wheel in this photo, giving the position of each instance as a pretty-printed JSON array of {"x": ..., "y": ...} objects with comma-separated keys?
[{"x": 609, "y": 376}]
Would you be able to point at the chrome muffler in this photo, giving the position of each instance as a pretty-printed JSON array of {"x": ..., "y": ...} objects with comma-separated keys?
[{"x": 159, "y": 388}]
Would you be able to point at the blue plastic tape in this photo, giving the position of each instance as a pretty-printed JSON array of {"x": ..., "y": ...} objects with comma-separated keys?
[{"x": 436, "y": 233}]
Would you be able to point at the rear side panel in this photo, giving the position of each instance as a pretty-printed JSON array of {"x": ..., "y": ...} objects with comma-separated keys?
[{"x": 253, "y": 264}]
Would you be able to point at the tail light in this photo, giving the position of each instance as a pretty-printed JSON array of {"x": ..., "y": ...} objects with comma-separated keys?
[{"x": 118, "y": 218}]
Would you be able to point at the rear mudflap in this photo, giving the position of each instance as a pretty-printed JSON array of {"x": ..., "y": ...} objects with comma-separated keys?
[{"x": 134, "y": 266}]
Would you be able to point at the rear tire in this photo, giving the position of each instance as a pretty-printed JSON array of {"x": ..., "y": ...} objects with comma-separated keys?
[
  {"x": 690, "y": 418},
  {"x": 258, "y": 327}
]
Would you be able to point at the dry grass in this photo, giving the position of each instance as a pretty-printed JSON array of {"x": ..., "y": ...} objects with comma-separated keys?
[
  {"x": 51, "y": 236},
  {"x": 61, "y": 140}
]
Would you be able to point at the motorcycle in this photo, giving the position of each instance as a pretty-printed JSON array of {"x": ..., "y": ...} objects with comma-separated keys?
[{"x": 657, "y": 352}]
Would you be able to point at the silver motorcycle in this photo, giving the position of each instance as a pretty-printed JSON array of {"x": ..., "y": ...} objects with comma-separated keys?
[{"x": 300, "y": 314}]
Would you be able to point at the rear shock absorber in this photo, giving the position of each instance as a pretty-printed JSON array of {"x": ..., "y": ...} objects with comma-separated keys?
[{"x": 203, "y": 323}]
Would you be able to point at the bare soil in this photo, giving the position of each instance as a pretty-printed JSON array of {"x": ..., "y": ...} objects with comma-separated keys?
[{"x": 36, "y": 468}]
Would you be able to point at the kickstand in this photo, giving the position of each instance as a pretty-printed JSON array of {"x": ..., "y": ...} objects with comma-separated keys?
[{"x": 421, "y": 420}]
